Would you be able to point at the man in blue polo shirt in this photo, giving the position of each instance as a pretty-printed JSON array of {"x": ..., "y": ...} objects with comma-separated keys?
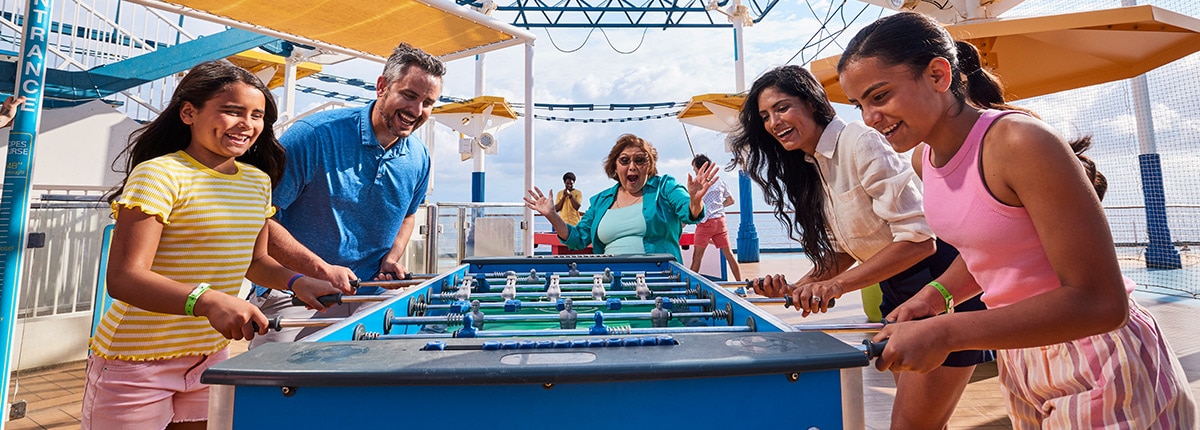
[{"x": 354, "y": 180}]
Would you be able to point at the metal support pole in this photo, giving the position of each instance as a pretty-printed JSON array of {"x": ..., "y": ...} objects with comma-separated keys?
[
  {"x": 528, "y": 143},
  {"x": 747, "y": 240},
  {"x": 1161, "y": 252},
  {"x": 479, "y": 174},
  {"x": 14, "y": 202}
]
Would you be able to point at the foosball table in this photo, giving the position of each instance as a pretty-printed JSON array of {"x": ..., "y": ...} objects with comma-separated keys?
[{"x": 578, "y": 341}]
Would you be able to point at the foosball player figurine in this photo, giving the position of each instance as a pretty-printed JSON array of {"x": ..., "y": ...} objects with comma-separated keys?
[
  {"x": 659, "y": 316},
  {"x": 477, "y": 315},
  {"x": 567, "y": 316},
  {"x": 643, "y": 290},
  {"x": 598, "y": 287},
  {"x": 554, "y": 291},
  {"x": 510, "y": 288}
]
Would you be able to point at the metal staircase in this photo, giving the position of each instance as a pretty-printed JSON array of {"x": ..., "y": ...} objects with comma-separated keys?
[{"x": 125, "y": 54}]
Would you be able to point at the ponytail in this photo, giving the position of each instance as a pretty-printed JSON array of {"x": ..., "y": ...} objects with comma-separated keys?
[{"x": 980, "y": 87}]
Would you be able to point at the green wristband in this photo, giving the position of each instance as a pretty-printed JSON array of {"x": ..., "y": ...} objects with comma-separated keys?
[
  {"x": 945, "y": 295},
  {"x": 192, "y": 297}
]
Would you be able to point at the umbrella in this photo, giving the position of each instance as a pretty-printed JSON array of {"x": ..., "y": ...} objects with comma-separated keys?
[
  {"x": 716, "y": 112},
  {"x": 478, "y": 118},
  {"x": 270, "y": 68},
  {"x": 474, "y": 116},
  {"x": 1046, "y": 54}
]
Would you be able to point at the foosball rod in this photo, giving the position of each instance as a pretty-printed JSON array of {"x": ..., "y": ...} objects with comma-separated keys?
[
  {"x": 566, "y": 294},
  {"x": 530, "y": 288},
  {"x": 337, "y": 299},
  {"x": 580, "y": 279},
  {"x": 456, "y": 319},
  {"x": 280, "y": 323},
  {"x": 841, "y": 328},
  {"x": 607, "y": 331},
  {"x": 786, "y": 300},
  {"x": 598, "y": 303},
  {"x": 580, "y": 273}
]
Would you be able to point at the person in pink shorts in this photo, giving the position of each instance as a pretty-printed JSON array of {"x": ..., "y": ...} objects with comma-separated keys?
[
  {"x": 190, "y": 226},
  {"x": 1074, "y": 350},
  {"x": 712, "y": 229}
]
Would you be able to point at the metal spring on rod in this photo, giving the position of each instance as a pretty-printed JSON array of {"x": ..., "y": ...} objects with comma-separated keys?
[{"x": 620, "y": 329}]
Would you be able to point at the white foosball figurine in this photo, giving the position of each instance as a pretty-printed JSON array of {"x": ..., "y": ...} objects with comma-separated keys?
[
  {"x": 554, "y": 291},
  {"x": 643, "y": 290},
  {"x": 464, "y": 290},
  {"x": 598, "y": 287},
  {"x": 510, "y": 288}
]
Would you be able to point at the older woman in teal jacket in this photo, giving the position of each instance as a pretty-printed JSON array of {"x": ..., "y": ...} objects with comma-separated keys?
[{"x": 611, "y": 224}]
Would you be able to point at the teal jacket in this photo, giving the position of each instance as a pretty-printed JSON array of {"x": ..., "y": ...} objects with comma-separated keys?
[{"x": 665, "y": 206}]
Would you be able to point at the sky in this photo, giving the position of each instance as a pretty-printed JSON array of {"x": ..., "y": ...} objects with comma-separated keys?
[
  {"x": 610, "y": 66},
  {"x": 672, "y": 65}
]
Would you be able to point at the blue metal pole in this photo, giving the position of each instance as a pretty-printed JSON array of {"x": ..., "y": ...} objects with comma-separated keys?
[
  {"x": 477, "y": 185},
  {"x": 747, "y": 240},
  {"x": 14, "y": 201},
  {"x": 1161, "y": 252}
]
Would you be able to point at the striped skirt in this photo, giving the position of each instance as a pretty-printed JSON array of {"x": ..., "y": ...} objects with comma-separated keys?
[{"x": 1128, "y": 378}]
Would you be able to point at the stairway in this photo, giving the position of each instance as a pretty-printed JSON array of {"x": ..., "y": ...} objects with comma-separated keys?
[{"x": 71, "y": 87}]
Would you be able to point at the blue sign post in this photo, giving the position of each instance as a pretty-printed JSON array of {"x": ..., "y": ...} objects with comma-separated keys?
[{"x": 14, "y": 202}]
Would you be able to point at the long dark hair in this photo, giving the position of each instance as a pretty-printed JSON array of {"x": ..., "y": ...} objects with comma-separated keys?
[
  {"x": 914, "y": 39},
  {"x": 787, "y": 180},
  {"x": 167, "y": 133}
]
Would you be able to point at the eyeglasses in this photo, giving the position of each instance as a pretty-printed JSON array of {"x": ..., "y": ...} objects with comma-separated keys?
[{"x": 640, "y": 160}]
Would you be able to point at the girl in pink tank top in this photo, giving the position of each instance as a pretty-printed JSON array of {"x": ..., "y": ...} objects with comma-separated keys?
[{"x": 1074, "y": 350}]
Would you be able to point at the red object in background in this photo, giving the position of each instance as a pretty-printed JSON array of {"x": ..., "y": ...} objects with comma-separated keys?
[{"x": 557, "y": 247}]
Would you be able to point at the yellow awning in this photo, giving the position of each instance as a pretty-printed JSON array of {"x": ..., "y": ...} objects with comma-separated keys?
[
  {"x": 475, "y": 116},
  {"x": 716, "y": 112},
  {"x": 258, "y": 61},
  {"x": 477, "y": 105},
  {"x": 441, "y": 28},
  {"x": 1042, "y": 55}
]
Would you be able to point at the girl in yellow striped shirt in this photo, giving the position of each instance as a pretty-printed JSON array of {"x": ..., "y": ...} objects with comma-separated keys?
[{"x": 189, "y": 228}]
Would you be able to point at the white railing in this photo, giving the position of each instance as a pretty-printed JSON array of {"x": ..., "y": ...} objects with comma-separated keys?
[
  {"x": 90, "y": 33},
  {"x": 60, "y": 266}
]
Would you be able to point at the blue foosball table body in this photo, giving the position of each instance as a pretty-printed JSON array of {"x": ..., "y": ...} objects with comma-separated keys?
[{"x": 723, "y": 364}]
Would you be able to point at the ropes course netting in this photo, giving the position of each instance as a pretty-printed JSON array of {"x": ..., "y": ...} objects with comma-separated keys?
[{"x": 1106, "y": 112}]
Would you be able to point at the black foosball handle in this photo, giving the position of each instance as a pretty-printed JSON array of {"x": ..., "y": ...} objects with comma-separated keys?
[
  {"x": 272, "y": 324},
  {"x": 407, "y": 277},
  {"x": 326, "y": 300},
  {"x": 874, "y": 349},
  {"x": 787, "y": 301}
]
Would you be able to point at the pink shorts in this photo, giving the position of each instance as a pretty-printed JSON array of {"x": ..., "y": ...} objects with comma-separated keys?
[
  {"x": 151, "y": 394},
  {"x": 1126, "y": 378},
  {"x": 713, "y": 231}
]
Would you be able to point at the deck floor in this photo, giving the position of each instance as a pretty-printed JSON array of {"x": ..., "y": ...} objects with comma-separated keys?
[{"x": 54, "y": 396}]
